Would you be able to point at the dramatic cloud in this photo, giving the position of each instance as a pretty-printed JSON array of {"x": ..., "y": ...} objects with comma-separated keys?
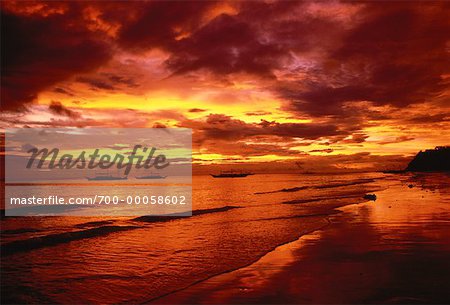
[
  {"x": 159, "y": 24},
  {"x": 58, "y": 108},
  {"x": 219, "y": 126},
  {"x": 62, "y": 91},
  {"x": 261, "y": 78},
  {"x": 397, "y": 55},
  {"x": 41, "y": 50},
  {"x": 226, "y": 45},
  {"x": 95, "y": 83},
  {"x": 107, "y": 81}
]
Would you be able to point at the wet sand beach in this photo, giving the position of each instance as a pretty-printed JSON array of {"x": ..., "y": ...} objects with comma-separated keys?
[{"x": 395, "y": 250}]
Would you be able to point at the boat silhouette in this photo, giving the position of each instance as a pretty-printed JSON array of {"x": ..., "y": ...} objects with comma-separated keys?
[
  {"x": 152, "y": 176},
  {"x": 231, "y": 174},
  {"x": 106, "y": 177}
]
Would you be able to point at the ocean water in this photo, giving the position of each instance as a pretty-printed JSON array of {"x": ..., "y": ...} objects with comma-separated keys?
[{"x": 118, "y": 260}]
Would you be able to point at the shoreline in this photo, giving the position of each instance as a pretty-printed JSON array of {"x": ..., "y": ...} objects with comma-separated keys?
[
  {"x": 372, "y": 252},
  {"x": 218, "y": 243}
]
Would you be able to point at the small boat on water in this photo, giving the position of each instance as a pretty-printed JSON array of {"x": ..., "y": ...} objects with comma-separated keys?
[
  {"x": 106, "y": 178},
  {"x": 152, "y": 176},
  {"x": 231, "y": 174}
]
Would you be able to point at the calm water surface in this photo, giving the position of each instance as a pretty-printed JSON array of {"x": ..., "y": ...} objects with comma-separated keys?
[{"x": 127, "y": 260}]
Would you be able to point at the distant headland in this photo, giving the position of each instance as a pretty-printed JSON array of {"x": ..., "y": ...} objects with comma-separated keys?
[{"x": 431, "y": 160}]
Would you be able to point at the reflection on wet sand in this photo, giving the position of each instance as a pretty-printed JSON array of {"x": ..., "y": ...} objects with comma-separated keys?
[{"x": 394, "y": 250}]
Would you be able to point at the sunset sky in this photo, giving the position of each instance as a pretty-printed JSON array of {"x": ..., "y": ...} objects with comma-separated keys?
[{"x": 333, "y": 85}]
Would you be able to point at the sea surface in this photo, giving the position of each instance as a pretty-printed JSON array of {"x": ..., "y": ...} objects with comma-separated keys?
[{"x": 120, "y": 260}]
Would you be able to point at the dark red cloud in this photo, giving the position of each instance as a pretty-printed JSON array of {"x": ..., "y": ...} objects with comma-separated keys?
[
  {"x": 258, "y": 40},
  {"x": 62, "y": 91},
  {"x": 322, "y": 64},
  {"x": 390, "y": 55},
  {"x": 396, "y": 56},
  {"x": 122, "y": 80},
  {"x": 159, "y": 125},
  {"x": 95, "y": 83},
  {"x": 157, "y": 24},
  {"x": 108, "y": 81},
  {"x": 57, "y": 108},
  {"x": 429, "y": 119},
  {"x": 223, "y": 127},
  {"x": 39, "y": 51},
  {"x": 326, "y": 150},
  {"x": 195, "y": 110},
  {"x": 393, "y": 55},
  {"x": 397, "y": 140},
  {"x": 225, "y": 45},
  {"x": 245, "y": 149}
]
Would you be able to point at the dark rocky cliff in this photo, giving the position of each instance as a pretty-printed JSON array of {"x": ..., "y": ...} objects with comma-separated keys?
[{"x": 431, "y": 160}]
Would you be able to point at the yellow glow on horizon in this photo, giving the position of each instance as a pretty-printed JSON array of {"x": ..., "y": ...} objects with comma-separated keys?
[
  {"x": 388, "y": 139},
  {"x": 164, "y": 102}
]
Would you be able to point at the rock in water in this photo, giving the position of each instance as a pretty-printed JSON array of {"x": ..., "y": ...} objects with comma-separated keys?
[{"x": 372, "y": 197}]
